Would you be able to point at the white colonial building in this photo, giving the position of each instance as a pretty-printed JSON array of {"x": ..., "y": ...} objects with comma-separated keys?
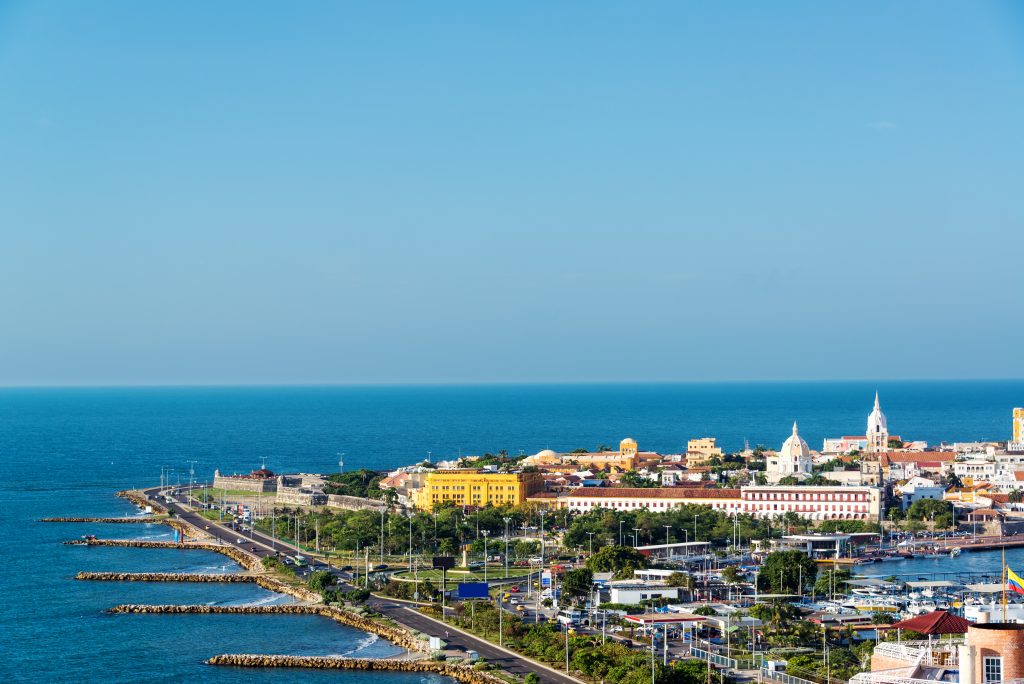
[
  {"x": 792, "y": 460},
  {"x": 878, "y": 430}
]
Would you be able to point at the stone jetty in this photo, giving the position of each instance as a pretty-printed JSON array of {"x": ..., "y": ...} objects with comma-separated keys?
[
  {"x": 224, "y": 578},
  {"x": 244, "y": 559},
  {"x": 463, "y": 673},
  {"x": 137, "y": 520},
  {"x": 396, "y": 635},
  {"x": 140, "y": 500}
]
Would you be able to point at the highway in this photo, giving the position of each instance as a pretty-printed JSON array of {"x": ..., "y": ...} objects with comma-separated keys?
[{"x": 261, "y": 545}]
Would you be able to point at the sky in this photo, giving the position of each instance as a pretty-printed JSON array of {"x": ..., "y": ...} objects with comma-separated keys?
[{"x": 406, "y": 192}]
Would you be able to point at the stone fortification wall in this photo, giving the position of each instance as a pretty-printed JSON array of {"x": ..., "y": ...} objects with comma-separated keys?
[{"x": 354, "y": 503}]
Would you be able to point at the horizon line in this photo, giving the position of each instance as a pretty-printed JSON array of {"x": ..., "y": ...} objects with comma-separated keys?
[{"x": 494, "y": 383}]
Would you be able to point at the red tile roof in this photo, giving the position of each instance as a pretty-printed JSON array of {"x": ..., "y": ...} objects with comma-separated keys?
[
  {"x": 658, "y": 493},
  {"x": 937, "y": 622}
]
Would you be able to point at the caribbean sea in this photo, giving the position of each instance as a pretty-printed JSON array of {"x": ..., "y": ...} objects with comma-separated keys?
[{"x": 65, "y": 451}]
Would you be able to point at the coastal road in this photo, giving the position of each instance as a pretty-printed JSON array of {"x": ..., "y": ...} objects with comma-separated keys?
[
  {"x": 457, "y": 639},
  {"x": 265, "y": 546}
]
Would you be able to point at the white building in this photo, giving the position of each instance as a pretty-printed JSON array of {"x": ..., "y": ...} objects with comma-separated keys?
[
  {"x": 878, "y": 430},
  {"x": 814, "y": 503},
  {"x": 834, "y": 502},
  {"x": 792, "y": 460},
  {"x": 917, "y": 488},
  {"x": 629, "y": 592},
  {"x": 976, "y": 469}
]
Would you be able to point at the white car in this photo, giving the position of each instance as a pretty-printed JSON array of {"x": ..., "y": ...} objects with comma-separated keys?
[{"x": 240, "y": 541}]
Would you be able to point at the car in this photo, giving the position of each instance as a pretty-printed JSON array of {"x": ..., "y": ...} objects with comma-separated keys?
[
  {"x": 513, "y": 601},
  {"x": 347, "y": 568},
  {"x": 515, "y": 589},
  {"x": 240, "y": 541},
  {"x": 382, "y": 566},
  {"x": 254, "y": 549},
  {"x": 520, "y": 608}
]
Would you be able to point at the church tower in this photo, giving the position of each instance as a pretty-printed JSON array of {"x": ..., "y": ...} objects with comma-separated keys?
[{"x": 878, "y": 430}]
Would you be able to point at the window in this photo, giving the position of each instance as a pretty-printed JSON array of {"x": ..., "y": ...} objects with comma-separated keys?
[{"x": 992, "y": 669}]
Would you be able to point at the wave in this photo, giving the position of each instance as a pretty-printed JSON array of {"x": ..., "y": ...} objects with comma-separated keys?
[{"x": 364, "y": 643}]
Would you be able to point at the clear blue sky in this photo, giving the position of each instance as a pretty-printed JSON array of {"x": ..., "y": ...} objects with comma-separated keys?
[{"x": 337, "y": 192}]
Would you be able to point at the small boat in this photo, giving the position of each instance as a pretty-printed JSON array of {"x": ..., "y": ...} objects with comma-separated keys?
[{"x": 954, "y": 552}]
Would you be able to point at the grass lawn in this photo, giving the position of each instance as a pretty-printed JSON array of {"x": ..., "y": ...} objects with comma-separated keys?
[{"x": 455, "y": 576}]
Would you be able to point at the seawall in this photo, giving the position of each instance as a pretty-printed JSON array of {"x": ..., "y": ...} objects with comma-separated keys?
[
  {"x": 221, "y": 578},
  {"x": 396, "y": 635},
  {"x": 463, "y": 673}
]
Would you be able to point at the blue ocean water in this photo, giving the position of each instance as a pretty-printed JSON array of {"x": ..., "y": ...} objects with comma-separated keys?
[{"x": 65, "y": 451}]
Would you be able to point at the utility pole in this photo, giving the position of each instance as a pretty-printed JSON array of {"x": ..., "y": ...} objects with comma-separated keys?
[
  {"x": 191, "y": 476},
  {"x": 486, "y": 532},
  {"x": 507, "y": 520},
  {"x": 591, "y": 541}
]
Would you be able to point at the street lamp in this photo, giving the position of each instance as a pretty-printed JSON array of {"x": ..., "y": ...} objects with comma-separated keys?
[
  {"x": 620, "y": 531},
  {"x": 591, "y": 535},
  {"x": 486, "y": 532},
  {"x": 636, "y": 537},
  {"x": 507, "y": 521}
]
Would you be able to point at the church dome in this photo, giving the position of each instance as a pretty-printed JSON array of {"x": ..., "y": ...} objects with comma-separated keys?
[
  {"x": 794, "y": 447},
  {"x": 546, "y": 453},
  {"x": 876, "y": 421}
]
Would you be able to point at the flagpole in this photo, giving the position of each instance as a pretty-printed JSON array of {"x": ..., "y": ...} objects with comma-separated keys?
[{"x": 1005, "y": 580}]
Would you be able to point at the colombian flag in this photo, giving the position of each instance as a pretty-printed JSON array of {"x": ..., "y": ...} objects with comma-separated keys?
[{"x": 1013, "y": 582}]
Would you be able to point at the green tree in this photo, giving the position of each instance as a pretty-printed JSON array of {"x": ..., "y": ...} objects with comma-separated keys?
[
  {"x": 320, "y": 580},
  {"x": 577, "y": 584},
  {"x": 732, "y": 575},
  {"x": 619, "y": 560},
  {"x": 782, "y": 572}
]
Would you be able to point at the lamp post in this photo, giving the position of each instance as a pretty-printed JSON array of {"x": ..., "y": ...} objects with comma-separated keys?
[
  {"x": 636, "y": 537},
  {"x": 667, "y": 551},
  {"x": 591, "y": 540},
  {"x": 507, "y": 521},
  {"x": 620, "y": 531},
  {"x": 486, "y": 532}
]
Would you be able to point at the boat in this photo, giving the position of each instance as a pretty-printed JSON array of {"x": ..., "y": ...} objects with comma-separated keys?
[{"x": 954, "y": 552}]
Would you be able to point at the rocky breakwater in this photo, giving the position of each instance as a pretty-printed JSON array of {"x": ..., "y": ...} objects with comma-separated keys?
[
  {"x": 462, "y": 673},
  {"x": 395, "y": 634},
  {"x": 140, "y": 500},
  {"x": 221, "y": 578},
  {"x": 244, "y": 559},
  {"x": 137, "y": 520}
]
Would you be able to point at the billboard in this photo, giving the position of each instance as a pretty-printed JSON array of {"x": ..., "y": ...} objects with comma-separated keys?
[
  {"x": 473, "y": 590},
  {"x": 545, "y": 578},
  {"x": 444, "y": 562}
]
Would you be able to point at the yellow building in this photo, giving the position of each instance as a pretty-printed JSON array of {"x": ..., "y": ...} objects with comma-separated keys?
[
  {"x": 698, "y": 451},
  {"x": 626, "y": 458},
  {"x": 476, "y": 488},
  {"x": 1018, "y": 425}
]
